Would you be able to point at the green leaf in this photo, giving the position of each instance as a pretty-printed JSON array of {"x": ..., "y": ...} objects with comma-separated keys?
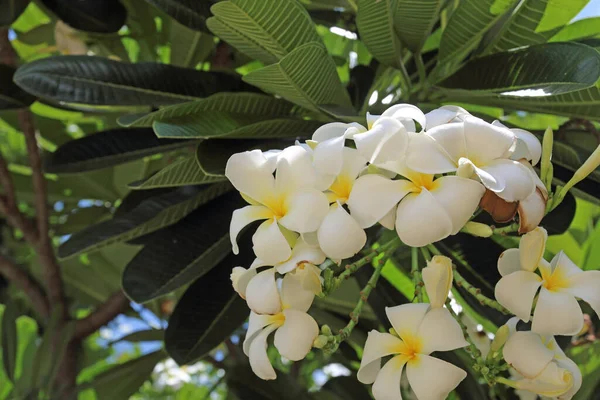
[
  {"x": 10, "y": 341},
  {"x": 246, "y": 385},
  {"x": 190, "y": 13},
  {"x": 11, "y": 10},
  {"x": 183, "y": 252},
  {"x": 265, "y": 30},
  {"x": 519, "y": 28},
  {"x": 583, "y": 29},
  {"x": 375, "y": 22},
  {"x": 567, "y": 67},
  {"x": 11, "y": 96},
  {"x": 247, "y": 107},
  {"x": 180, "y": 173},
  {"x": 208, "y": 312},
  {"x": 107, "y": 149},
  {"x": 124, "y": 380},
  {"x": 307, "y": 77},
  {"x": 100, "y": 81},
  {"x": 346, "y": 388},
  {"x": 188, "y": 48},
  {"x": 149, "y": 335},
  {"x": 79, "y": 219},
  {"x": 466, "y": 27},
  {"x": 107, "y": 16},
  {"x": 151, "y": 215},
  {"x": 559, "y": 13},
  {"x": 413, "y": 21}
]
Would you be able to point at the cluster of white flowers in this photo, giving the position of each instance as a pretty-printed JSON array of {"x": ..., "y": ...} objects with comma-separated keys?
[{"x": 423, "y": 175}]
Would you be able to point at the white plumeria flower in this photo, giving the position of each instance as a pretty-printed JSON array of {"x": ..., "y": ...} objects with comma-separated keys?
[
  {"x": 295, "y": 330},
  {"x": 532, "y": 209},
  {"x": 339, "y": 235},
  {"x": 473, "y": 148},
  {"x": 560, "y": 284},
  {"x": 422, "y": 329},
  {"x": 428, "y": 209},
  {"x": 289, "y": 200},
  {"x": 540, "y": 366}
]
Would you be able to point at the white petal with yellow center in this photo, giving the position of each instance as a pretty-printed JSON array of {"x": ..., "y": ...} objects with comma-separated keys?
[
  {"x": 256, "y": 323},
  {"x": 440, "y": 332},
  {"x": 295, "y": 337},
  {"x": 262, "y": 294},
  {"x": 250, "y": 173},
  {"x": 459, "y": 197},
  {"x": 270, "y": 245},
  {"x": 305, "y": 210},
  {"x": 378, "y": 345},
  {"x": 420, "y": 373},
  {"x": 241, "y": 218},
  {"x": 257, "y": 354},
  {"x": 407, "y": 318},
  {"x": 516, "y": 292},
  {"x": 340, "y": 236}
]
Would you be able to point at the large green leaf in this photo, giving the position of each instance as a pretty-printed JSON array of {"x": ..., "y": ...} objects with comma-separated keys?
[
  {"x": 12, "y": 96},
  {"x": 346, "y": 388},
  {"x": 375, "y": 22},
  {"x": 107, "y": 16},
  {"x": 583, "y": 29},
  {"x": 466, "y": 27},
  {"x": 151, "y": 215},
  {"x": 148, "y": 335},
  {"x": 552, "y": 68},
  {"x": 188, "y": 48},
  {"x": 414, "y": 20},
  {"x": 11, "y": 10},
  {"x": 208, "y": 312},
  {"x": 106, "y": 149},
  {"x": 230, "y": 106},
  {"x": 177, "y": 255},
  {"x": 100, "y": 81},
  {"x": 191, "y": 13},
  {"x": 519, "y": 28},
  {"x": 180, "y": 173},
  {"x": 10, "y": 341},
  {"x": 265, "y": 30},
  {"x": 307, "y": 76},
  {"x": 559, "y": 13}
]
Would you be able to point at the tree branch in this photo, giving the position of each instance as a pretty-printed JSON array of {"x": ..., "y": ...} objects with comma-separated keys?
[
  {"x": 102, "y": 315},
  {"x": 21, "y": 278}
]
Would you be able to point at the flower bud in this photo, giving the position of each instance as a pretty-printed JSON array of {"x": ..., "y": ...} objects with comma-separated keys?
[
  {"x": 320, "y": 342},
  {"x": 437, "y": 277},
  {"x": 477, "y": 229},
  {"x": 326, "y": 330},
  {"x": 546, "y": 165},
  {"x": 500, "y": 338}
]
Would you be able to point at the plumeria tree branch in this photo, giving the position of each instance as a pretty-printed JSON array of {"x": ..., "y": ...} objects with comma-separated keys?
[
  {"x": 27, "y": 283},
  {"x": 103, "y": 314},
  {"x": 416, "y": 274}
]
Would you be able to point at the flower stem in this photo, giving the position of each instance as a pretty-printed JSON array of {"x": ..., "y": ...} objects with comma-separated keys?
[
  {"x": 421, "y": 70},
  {"x": 514, "y": 227},
  {"x": 416, "y": 274},
  {"x": 507, "y": 382},
  {"x": 476, "y": 292},
  {"x": 475, "y": 353}
]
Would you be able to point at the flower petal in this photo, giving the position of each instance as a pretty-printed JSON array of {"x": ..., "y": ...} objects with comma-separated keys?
[
  {"x": 339, "y": 235},
  {"x": 404, "y": 112},
  {"x": 387, "y": 384},
  {"x": 294, "y": 170},
  {"x": 353, "y": 164},
  {"x": 440, "y": 332},
  {"x": 386, "y": 141},
  {"x": 569, "y": 365},
  {"x": 368, "y": 209},
  {"x": 269, "y": 243},
  {"x": 295, "y": 337},
  {"x": 516, "y": 292},
  {"x": 335, "y": 129},
  {"x": 557, "y": 314},
  {"x": 302, "y": 252},
  {"x": 531, "y": 248},
  {"x": 526, "y": 353},
  {"x": 509, "y": 262},
  {"x": 530, "y": 142},
  {"x": 437, "y": 276},
  {"x": 262, "y": 294},
  {"x": 459, "y": 197},
  {"x": 429, "y": 156},
  {"x": 420, "y": 372},
  {"x": 293, "y": 295},
  {"x": 586, "y": 286},
  {"x": 486, "y": 142},
  {"x": 241, "y": 218},
  {"x": 531, "y": 211},
  {"x": 310, "y": 277},
  {"x": 305, "y": 210},
  {"x": 553, "y": 381},
  {"x": 240, "y": 277},
  {"x": 255, "y": 324},
  {"x": 407, "y": 318},
  {"x": 421, "y": 220},
  {"x": 378, "y": 345},
  {"x": 328, "y": 156},
  {"x": 389, "y": 220},
  {"x": 444, "y": 115},
  {"x": 250, "y": 173},
  {"x": 257, "y": 354},
  {"x": 514, "y": 178}
]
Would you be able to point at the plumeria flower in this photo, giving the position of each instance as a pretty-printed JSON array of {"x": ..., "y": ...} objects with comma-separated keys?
[
  {"x": 422, "y": 329},
  {"x": 559, "y": 283},
  {"x": 540, "y": 366},
  {"x": 295, "y": 330},
  {"x": 427, "y": 210},
  {"x": 289, "y": 202},
  {"x": 257, "y": 288},
  {"x": 339, "y": 235},
  {"x": 533, "y": 208},
  {"x": 473, "y": 148}
]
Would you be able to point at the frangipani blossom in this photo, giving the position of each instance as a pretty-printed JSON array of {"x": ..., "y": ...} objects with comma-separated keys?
[
  {"x": 540, "y": 366},
  {"x": 428, "y": 209},
  {"x": 339, "y": 235},
  {"x": 560, "y": 283},
  {"x": 294, "y": 329},
  {"x": 422, "y": 329},
  {"x": 533, "y": 208},
  {"x": 472, "y": 148},
  {"x": 289, "y": 200}
]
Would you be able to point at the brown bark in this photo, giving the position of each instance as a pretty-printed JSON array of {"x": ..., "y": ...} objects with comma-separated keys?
[{"x": 115, "y": 305}]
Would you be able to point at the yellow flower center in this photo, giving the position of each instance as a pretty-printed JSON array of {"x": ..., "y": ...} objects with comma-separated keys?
[
  {"x": 277, "y": 205},
  {"x": 340, "y": 188},
  {"x": 554, "y": 281},
  {"x": 277, "y": 319},
  {"x": 420, "y": 181},
  {"x": 410, "y": 347}
]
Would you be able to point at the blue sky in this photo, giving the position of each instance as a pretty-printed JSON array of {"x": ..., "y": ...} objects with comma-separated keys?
[{"x": 592, "y": 9}]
